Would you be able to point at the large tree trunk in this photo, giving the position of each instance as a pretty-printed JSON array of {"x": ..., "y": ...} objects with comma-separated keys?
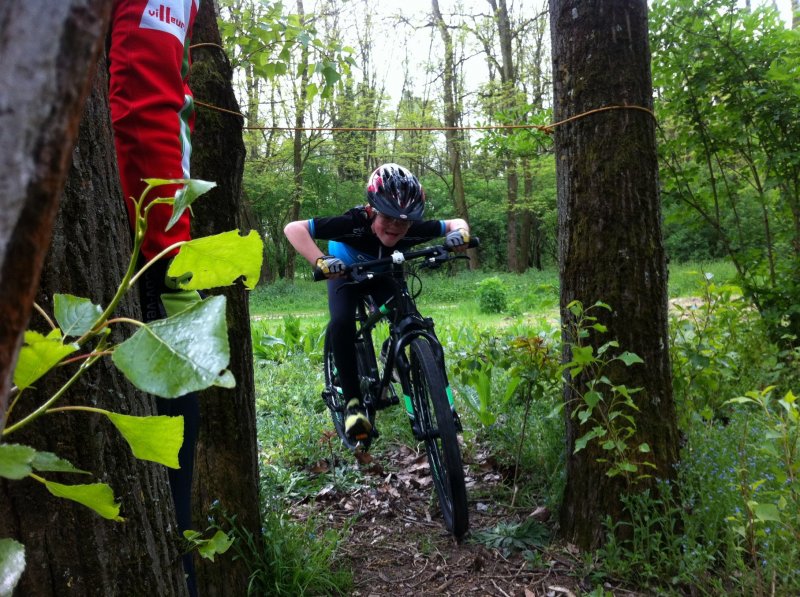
[
  {"x": 70, "y": 549},
  {"x": 610, "y": 245},
  {"x": 36, "y": 139},
  {"x": 227, "y": 466}
]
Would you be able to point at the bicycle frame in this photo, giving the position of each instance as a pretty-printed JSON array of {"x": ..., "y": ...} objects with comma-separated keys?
[{"x": 405, "y": 323}]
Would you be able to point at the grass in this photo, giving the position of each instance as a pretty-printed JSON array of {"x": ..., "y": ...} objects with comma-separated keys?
[
  {"x": 731, "y": 527},
  {"x": 451, "y": 296}
]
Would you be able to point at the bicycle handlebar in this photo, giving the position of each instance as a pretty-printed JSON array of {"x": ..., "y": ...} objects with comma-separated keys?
[{"x": 437, "y": 252}]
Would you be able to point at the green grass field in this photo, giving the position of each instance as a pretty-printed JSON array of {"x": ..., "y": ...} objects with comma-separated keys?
[{"x": 452, "y": 296}]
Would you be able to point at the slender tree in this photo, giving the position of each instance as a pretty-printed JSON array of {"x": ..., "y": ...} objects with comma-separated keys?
[
  {"x": 226, "y": 479},
  {"x": 452, "y": 119},
  {"x": 610, "y": 250}
]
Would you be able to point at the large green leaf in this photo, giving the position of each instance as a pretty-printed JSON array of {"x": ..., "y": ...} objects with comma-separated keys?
[
  {"x": 157, "y": 439},
  {"x": 219, "y": 260},
  {"x": 97, "y": 496},
  {"x": 181, "y": 354},
  {"x": 74, "y": 314},
  {"x": 12, "y": 565},
  {"x": 16, "y": 461},
  {"x": 38, "y": 355}
]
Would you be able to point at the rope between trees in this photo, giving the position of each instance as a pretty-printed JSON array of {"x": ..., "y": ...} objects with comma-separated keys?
[{"x": 547, "y": 129}]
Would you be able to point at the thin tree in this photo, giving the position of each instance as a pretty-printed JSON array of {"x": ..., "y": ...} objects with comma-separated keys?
[
  {"x": 452, "y": 119},
  {"x": 610, "y": 248},
  {"x": 226, "y": 475}
]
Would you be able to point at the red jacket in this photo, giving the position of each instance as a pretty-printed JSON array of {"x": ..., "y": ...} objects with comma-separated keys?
[{"x": 152, "y": 110}]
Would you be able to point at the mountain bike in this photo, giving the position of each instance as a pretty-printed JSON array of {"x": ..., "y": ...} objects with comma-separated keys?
[{"x": 412, "y": 358}]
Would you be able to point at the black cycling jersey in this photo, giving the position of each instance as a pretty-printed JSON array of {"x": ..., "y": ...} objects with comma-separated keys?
[{"x": 351, "y": 238}]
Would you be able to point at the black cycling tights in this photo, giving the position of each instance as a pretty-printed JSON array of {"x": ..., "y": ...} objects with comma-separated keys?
[
  {"x": 151, "y": 287},
  {"x": 342, "y": 302}
]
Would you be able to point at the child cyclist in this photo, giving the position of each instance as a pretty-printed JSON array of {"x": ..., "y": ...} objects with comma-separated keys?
[{"x": 391, "y": 220}]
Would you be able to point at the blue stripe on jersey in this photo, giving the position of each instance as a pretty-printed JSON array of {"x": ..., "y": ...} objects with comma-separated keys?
[
  {"x": 311, "y": 228},
  {"x": 347, "y": 253}
]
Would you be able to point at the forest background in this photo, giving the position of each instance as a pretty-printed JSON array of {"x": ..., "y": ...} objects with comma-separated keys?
[{"x": 725, "y": 102}]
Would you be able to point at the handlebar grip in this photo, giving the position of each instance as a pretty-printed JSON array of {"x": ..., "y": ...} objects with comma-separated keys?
[
  {"x": 318, "y": 274},
  {"x": 474, "y": 242}
]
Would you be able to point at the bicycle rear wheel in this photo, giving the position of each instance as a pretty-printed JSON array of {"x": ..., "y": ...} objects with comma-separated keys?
[
  {"x": 435, "y": 425},
  {"x": 334, "y": 399}
]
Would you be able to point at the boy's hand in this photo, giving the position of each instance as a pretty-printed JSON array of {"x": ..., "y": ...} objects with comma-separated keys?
[
  {"x": 330, "y": 267},
  {"x": 457, "y": 240}
]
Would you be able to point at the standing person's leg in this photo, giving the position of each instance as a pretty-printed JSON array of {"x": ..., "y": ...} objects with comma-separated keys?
[{"x": 152, "y": 114}]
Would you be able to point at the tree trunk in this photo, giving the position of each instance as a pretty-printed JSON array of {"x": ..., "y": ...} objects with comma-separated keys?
[
  {"x": 36, "y": 139},
  {"x": 70, "y": 549},
  {"x": 610, "y": 245},
  {"x": 227, "y": 466},
  {"x": 795, "y": 14},
  {"x": 452, "y": 120}
]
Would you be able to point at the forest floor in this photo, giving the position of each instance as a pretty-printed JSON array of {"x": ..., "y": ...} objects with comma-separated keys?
[{"x": 396, "y": 544}]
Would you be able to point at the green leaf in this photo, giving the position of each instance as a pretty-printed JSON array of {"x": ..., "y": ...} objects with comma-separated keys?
[
  {"x": 644, "y": 447},
  {"x": 582, "y": 355},
  {"x": 219, "y": 260},
  {"x": 50, "y": 463},
  {"x": 181, "y": 354},
  {"x": 592, "y": 398},
  {"x": 16, "y": 461},
  {"x": 75, "y": 315},
  {"x": 12, "y": 565},
  {"x": 38, "y": 355},
  {"x": 765, "y": 512},
  {"x": 629, "y": 358},
  {"x": 186, "y": 196},
  {"x": 157, "y": 439},
  {"x": 97, "y": 496},
  {"x": 218, "y": 544}
]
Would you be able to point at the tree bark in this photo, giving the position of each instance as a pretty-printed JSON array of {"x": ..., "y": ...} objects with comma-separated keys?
[
  {"x": 36, "y": 138},
  {"x": 70, "y": 549},
  {"x": 227, "y": 466},
  {"x": 610, "y": 245}
]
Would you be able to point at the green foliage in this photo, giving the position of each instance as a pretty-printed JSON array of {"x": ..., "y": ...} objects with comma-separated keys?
[
  {"x": 606, "y": 409},
  {"x": 297, "y": 558},
  {"x": 185, "y": 352},
  {"x": 730, "y": 145},
  {"x": 718, "y": 343},
  {"x": 492, "y": 296},
  {"x": 217, "y": 544},
  {"x": 511, "y": 537},
  {"x": 729, "y": 524}
]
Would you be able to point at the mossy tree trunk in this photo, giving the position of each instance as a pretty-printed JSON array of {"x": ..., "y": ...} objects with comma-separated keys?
[
  {"x": 70, "y": 549},
  {"x": 226, "y": 472},
  {"x": 610, "y": 245}
]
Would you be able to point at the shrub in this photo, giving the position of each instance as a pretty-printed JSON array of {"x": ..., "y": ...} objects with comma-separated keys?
[{"x": 492, "y": 295}]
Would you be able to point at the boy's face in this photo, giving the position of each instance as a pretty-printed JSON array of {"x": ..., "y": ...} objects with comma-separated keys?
[{"x": 389, "y": 230}]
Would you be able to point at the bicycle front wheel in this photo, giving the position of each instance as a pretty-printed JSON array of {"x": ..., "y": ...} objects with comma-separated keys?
[{"x": 434, "y": 422}]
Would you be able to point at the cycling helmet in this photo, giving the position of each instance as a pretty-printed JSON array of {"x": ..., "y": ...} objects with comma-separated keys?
[{"x": 395, "y": 192}]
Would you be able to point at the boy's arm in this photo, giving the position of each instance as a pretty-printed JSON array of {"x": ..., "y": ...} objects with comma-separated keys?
[
  {"x": 300, "y": 237},
  {"x": 455, "y": 224}
]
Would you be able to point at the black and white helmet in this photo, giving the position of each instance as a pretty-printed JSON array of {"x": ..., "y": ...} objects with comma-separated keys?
[{"x": 395, "y": 192}]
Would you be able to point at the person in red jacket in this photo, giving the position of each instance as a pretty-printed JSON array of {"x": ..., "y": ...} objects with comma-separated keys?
[{"x": 152, "y": 114}]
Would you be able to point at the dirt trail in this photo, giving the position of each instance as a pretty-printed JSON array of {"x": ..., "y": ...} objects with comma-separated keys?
[{"x": 398, "y": 546}]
